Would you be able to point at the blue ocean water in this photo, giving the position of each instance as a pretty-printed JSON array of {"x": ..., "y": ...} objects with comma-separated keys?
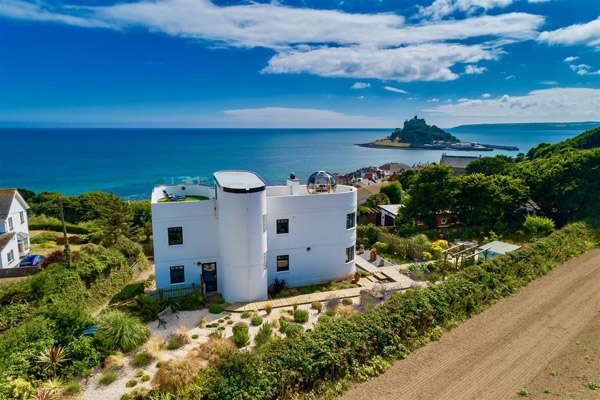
[{"x": 129, "y": 162}]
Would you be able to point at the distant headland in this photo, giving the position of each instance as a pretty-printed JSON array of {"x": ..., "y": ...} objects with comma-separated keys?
[
  {"x": 534, "y": 126},
  {"x": 416, "y": 134}
]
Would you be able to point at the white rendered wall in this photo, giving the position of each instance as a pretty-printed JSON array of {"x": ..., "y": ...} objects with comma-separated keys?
[
  {"x": 14, "y": 212},
  {"x": 315, "y": 221},
  {"x": 242, "y": 245},
  {"x": 198, "y": 220},
  {"x": 12, "y": 245}
]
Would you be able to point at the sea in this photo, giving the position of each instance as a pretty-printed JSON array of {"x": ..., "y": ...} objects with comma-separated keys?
[{"x": 129, "y": 162}]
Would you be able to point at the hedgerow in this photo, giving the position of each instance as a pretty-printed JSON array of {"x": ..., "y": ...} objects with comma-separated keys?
[{"x": 348, "y": 348}]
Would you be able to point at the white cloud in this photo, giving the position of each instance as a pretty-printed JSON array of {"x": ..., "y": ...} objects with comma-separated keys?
[
  {"x": 281, "y": 117},
  {"x": 351, "y": 45},
  {"x": 486, "y": 95},
  {"x": 548, "y": 82},
  {"x": 555, "y": 104},
  {"x": 474, "y": 69},
  {"x": 426, "y": 62},
  {"x": 579, "y": 34},
  {"x": 395, "y": 90},
  {"x": 569, "y": 59},
  {"x": 433, "y": 100},
  {"x": 360, "y": 85},
  {"x": 361, "y": 97},
  {"x": 442, "y": 8},
  {"x": 510, "y": 77},
  {"x": 583, "y": 69}
]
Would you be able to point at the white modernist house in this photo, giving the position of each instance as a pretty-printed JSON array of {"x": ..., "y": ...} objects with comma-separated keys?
[
  {"x": 241, "y": 234},
  {"x": 14, "y": 230}
]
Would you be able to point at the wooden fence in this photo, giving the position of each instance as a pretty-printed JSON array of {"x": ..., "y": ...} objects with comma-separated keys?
[
  {"x": 175, "y": 292},
  {"x": 404, "y": 248}
]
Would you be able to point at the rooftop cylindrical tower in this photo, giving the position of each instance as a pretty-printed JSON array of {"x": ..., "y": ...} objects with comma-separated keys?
[
  {"x": 321, "y": 182},
  {"x": 242, "y": 211}
]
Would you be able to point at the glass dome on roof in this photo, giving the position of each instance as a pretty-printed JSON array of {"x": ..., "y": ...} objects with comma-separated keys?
[{"x": 321, "y": 182}]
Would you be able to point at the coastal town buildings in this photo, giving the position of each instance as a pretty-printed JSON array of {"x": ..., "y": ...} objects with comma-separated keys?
[
  {"x": 14, "y": 229},
  {"x": 236, "y": 237},
  {"x": 457, "y": 163}
]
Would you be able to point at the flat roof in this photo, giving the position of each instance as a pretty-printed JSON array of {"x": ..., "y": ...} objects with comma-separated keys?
[
  {"x": 499, "y": 247},
  {"x": 239, "y": 181},
  {"x": 391, "y": 208}
]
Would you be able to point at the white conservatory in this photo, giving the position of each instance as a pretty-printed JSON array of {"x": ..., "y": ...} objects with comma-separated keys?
[{"x": 237, "y": 237}]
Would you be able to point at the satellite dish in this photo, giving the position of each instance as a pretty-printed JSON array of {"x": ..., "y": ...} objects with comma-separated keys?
[{"x": 321, "y": 182}]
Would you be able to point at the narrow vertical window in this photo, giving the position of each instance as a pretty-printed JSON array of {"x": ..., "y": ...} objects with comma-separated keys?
[
  {"x": 10, "y": 224},
  {"x": 22, "y": 214},
  {"x": 264, "y": 223},
  {"x": 349, "y": 254},
  {"x": 175, "y": 235},
  {"x": 265, "y": 261},
  {"x": 350, "y": 220},
  {"x": 283, "y": 263}
]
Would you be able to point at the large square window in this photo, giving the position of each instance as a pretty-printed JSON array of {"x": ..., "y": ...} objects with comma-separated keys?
[
  {"x": 350, "y": 220},
  {"x": 283, "y": 263},
  {"x": 177, "y": 274},
  {"x": 283, "y": 226},
  {"x": 349, "y": 254},
  {"x": 175, "y": 236}
]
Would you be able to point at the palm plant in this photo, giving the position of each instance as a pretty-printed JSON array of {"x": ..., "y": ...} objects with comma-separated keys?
[
  {"x": 43, "y": 394},
  {"x": 54, "y": 385},
  {"x": 53, "y": 357}
]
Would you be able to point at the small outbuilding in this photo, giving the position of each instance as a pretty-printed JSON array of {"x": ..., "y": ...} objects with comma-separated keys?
[{"x": 497, "y": 248}]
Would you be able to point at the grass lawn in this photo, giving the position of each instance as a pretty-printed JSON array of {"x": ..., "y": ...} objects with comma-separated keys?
[
  {"x": 187, "y": 198},
  {"x": 390, "y": 143}
]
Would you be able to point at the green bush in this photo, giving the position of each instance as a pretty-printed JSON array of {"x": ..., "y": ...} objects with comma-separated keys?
[
  {"x": 538, "y": 224},
  {"x": 392, "y": 329},
  {"x": 324, "y": 319},
  {"x": 240, "y": 338},
  {"x": 293, "y": 330},
  {"x": 240, "y": 327},
  {"x": 141, "y": 360},
  {"x": 123, "y": 331},
  {"x": 139, "y": 373},
  {"x": 125, "y": 396},
  {"x": 145, "y": 307},
  {"x": 131, "y": 383},
  {"x": 246, "y": 314},
  {"x": 175, "y": 343},
  {"x": 264, "y": 334},
  {"x": 301, "y": 316},
  {"x": 129, "y": 292},
  {"x": 73, "y": 388},
  {"x": 256, "y": 320},
  {"x": 44, "y": 237},
  {"x": 382, "y": 248},
  {"x": 330, "y": 312},
  {"x": 215, "y": 309},
  {"x": 317, "y": 305},
  {"x": 347, "y": 301},
  {"x": 193, "y": 301},
  {"x": 108, "y": 377},
  {"x": 128, "y": 247}
]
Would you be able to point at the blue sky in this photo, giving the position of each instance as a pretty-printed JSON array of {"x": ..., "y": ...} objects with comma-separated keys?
[{"x": 351, "y": 63}]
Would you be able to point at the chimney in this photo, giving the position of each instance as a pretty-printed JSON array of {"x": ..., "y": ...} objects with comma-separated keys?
[{"x": 293, "y": 185}]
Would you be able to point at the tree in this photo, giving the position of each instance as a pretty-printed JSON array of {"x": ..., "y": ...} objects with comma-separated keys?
[
  {"x": 406, "y": 178},
  {"x": 377, "y": 199},
  {"x": 499, "y": 164},
  {"x": 115, "y": 222},
  {"x": 432, "y": 192},
  {"x": 393, "y": 190}
]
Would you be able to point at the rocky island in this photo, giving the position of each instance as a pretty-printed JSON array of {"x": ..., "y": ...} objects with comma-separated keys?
[{"x": 416, "y": 134}]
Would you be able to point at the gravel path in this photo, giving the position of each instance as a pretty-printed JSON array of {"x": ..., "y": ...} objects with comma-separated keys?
[{"x": 497, "y": 352}]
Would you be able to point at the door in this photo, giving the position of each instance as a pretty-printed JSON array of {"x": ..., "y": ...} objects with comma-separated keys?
[{"x": 209, "y": 276}]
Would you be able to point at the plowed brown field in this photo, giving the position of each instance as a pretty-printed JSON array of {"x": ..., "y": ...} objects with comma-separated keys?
[{"x": 511, "y": 345}]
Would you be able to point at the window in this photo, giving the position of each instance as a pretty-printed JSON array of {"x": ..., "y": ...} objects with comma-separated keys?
[
  {"x": 349, "y": 254},
  {"x": 265, "y": 260},
  {"x": 283, "y": 263},
  {"x": 283, "y": 226},
  {"x": 175, "y": 236},
  {"x": 443, "y": 221},
  {"x": 264, "y": 223},
  {"x": 22, "y": 214},
  {"x": 350, "y": 220},
  {"x": 11, "y": 256},
  {"x": 177, "y": 274},
  {"x": 10, "y": 224},
  {"x": 419, "y": 222}
]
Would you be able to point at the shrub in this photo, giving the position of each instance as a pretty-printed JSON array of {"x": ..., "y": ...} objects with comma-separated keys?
[
  {"x": 125, "y": 396},
  {"x": 347, "y": 301},
  {"x": 128, "y": 247},
  {"x": 330, "y": 312},
  {"x": 131, "y": 383},
  {"x": 159, "y": 364},
  {"x": 538, "y": 224},
  {"x": 73, "y": 388},
  {"x": 268, "y": 309},
  {"x": 115, "y": 361},
  {"x": 240, "y": 326},
  {"x": 240, "y": 338},
  {"x": 108, "y": 377},
  {"x": 256, "y": 320},
  {"x": 145, "y": 378},
  {"x": 138, "y": 374},
  {"x": 155, "y": 345},
  {"x": 301, "y": 316},
  {"x": 123, "y": 331},
  {"x": 20, "y": 389},
  {"x": 128, "y": 292},
  {"x": 213, "y": 350},
  {"x": 176, "y": 373},
  {"x": 382, "y": 248},
  {"x": 293, "y": 330},
  {"x": 246, "y": 314},
  {"x": 141, "y": 360},
  {"x": 317, "y": 305},
  {"x": 324, "y": 319},
  {"x": 215, "y": 309},
  {"x": 193, "y": 301},
  {"x": 175, "y": 343},
  {"x": 195, "y": 336},
  {"x": 278, "y": 286},
  {"x": 264, "y": 334}
]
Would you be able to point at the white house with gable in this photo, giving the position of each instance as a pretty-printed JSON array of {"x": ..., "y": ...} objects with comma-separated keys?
[
  {"x": 235, "y": 238},
  {"x": 14, "y": 230}
]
